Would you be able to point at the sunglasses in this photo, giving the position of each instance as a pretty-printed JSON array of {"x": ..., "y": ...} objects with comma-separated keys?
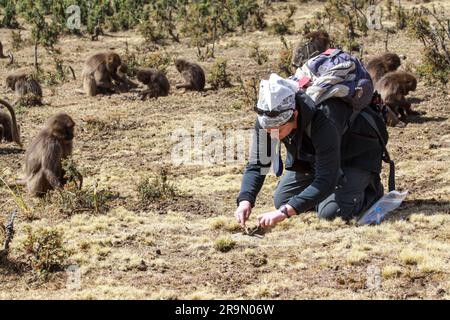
[{"x": 270, "y": 114}]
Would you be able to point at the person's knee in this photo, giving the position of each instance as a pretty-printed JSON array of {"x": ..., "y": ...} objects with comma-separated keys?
[
  {"x": 279, "y": 199},
  {"x": 329, "y": 210}
]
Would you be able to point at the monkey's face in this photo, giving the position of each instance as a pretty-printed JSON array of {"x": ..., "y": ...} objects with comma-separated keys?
[
  {"x": 113, "y": 62},
  {"x": 10, "y": 82},
  {"x": 393, "y": 62},
  {"x": 143, "y": 76},
  {"x": 179, "y": 64},
  {"x": 123, "y": 69},
  {"x": 63, "y": 127},
  {"x": 411, "y": 85}
]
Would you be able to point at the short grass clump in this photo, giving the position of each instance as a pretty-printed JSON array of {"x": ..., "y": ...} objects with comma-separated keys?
[
  {"x": 44, "y": 250},
  {"x": 224, "y": 244},
  {"x": 156, "y": 188},
  {"x": 72, "y": 200},
  {"x": 411, "y": 257},
  {"x": 390, "y": 271},
  {"x": 94, "y": 125}
]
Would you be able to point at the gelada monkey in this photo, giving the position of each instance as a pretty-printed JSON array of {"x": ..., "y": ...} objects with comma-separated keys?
[
  {"x": 382, "y": 64},
  {"x": 393, "y": 88},
  {"x": 193, "y": 75},
  {"x": 156, "y": 81},
  {"x": 44, "y": 156},
  {"x": 100, "y": 73},
  {"x": 312, "y": 45}
]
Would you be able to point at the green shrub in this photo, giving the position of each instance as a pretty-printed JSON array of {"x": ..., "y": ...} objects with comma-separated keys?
[
  {"x": 218, "y": 76},
  {"x": 44, "y": 250},
  {"x": 156, "y": 188},
  {"x": 258, "y": 55}
]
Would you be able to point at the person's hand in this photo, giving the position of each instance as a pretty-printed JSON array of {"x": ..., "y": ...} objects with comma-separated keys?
[
  {"x": 243, "y": 212},
  {"x": 270, "y": 219}
]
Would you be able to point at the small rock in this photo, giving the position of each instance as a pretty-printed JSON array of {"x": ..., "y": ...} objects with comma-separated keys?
[
  {"x": 440, "y": 292},
  {"x": 142, "y": 266},
  {"x": 158, "y": 252}
]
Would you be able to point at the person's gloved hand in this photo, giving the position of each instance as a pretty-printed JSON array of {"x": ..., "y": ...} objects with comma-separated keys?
[{"x": 243, "y": 212}]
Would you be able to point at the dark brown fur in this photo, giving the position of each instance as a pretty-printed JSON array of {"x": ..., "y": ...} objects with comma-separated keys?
[
  {"x": 382, "y": 64},
  {"x": 156, "y": 81},
  {"x": 43, "y": 159},
  {"x": 9, "y": 129},
  {"x": 127, "y": 84},
  {"x": 25, "y": 86},
  {"x": 100, "y": 73},
  {"x": 97, "y": 31},
  {"x": 312, "y": 45},
  {"x": 193, "y": 75},
  {"x": 393, "y": 88},
  {"x": 2, "y": 55}
]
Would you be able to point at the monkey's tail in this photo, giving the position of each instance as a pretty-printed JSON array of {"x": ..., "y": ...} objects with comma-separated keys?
[{"x": 14, "y": 129}]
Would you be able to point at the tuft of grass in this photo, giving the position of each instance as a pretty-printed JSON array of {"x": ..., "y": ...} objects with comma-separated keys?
[
  {"x": 224, "y": 244},
  {"x": 157, "y": 188},
  {"x": 224, "y": 223},
  {"x": 44, "y": 250},
  {"x": 432, "y": 265},
  {"x": 18, "y": 199},
  {"x": 410, "y": 256},
  {"x": 356, "y": 257},
  {"x": 391, "y": 272},
  {"x": 94, "y": 125}
]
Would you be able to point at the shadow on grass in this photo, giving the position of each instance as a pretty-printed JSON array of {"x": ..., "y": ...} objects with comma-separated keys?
[
  {"x": 7, "y": 151},
  {"x": 420, "y": 206}
]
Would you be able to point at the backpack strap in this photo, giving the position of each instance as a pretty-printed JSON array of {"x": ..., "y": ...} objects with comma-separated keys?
[{"x": 386, "y": 156}]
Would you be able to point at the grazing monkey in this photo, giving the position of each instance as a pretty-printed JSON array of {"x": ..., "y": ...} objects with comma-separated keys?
[
  {"x": 26, "y": 87},
  {"x": 393, "y": 88},
  {"x": 193, "y": 75},
  {"x": 156, "y": 81},
  {"x": 128, "y": 84},
  {"x": 99, "y": 72},
  {"x": 382, "y": 64},
  {"x": 44, "y": 156},
  {"x": 312, "y": 45},
  {"x": 9, "y": 129}
]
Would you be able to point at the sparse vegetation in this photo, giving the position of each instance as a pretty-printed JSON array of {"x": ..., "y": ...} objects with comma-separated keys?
[
  {"x": 256, "y": 53},
  {"x": 218, "y": 76},
  {"x": 284, "y": 62},
  {"x": 156, "y": 188},
  {"x": 44, "y": 250},
  {"x": 432, "y": 29}
]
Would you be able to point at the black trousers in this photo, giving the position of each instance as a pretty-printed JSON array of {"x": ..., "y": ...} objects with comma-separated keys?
[{"x": 355, "y": 193}]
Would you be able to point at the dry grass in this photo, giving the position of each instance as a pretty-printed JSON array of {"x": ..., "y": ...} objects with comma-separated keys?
[{"x": 139, "y": 252}]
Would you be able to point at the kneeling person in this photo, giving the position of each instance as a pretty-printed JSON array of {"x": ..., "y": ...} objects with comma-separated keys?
[{"x": 330, "y": 167}]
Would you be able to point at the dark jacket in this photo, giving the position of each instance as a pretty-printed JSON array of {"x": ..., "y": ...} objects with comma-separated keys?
[{"x": 321, "y": 151}]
